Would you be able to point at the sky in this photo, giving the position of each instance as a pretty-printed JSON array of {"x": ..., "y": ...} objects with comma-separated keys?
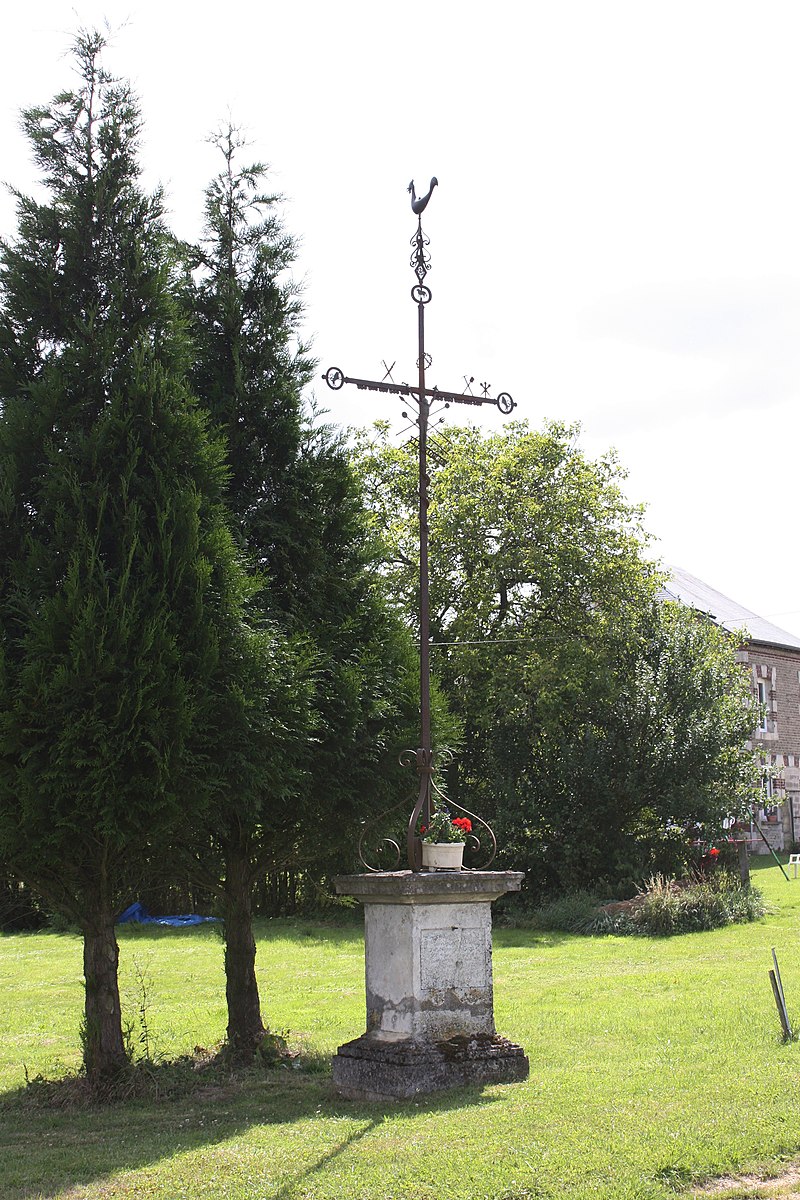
[{"x": 614, "y": 239}]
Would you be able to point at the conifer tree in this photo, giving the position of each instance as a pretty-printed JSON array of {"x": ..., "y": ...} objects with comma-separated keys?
[
  {"x": 299, "y": 515},
  {"x": 126, "y": 662}
]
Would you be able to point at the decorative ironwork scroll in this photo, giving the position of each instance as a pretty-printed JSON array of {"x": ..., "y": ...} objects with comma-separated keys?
[{"x": 382, "y": 836}]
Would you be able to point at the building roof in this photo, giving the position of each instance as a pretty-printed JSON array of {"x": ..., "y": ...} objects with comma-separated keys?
[{"x": 693, "y": 593}]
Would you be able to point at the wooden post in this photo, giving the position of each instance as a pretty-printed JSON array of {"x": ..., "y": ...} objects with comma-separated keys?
[{"x": 776, "y": 991}]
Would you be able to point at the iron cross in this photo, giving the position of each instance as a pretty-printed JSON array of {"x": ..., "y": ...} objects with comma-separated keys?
[{"x": 424, "y": 397}]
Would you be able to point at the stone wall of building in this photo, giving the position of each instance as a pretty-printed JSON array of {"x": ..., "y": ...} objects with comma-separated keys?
[{"x": 775, "y": 679}]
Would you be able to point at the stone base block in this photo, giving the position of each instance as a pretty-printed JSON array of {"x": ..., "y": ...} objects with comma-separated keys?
[{"x": 372, "y": 1069}]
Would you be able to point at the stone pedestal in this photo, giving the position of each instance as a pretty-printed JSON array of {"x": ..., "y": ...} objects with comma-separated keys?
[{"x": 430, "y": 1010}]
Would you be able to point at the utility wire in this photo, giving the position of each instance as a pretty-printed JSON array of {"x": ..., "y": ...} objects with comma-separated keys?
[{"x": 490, "y": 642}]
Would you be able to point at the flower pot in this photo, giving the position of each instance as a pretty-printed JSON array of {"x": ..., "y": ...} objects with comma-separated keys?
[{"x": 442, "y": 856}]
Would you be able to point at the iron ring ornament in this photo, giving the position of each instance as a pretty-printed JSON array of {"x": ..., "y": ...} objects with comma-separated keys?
[
  {"x": 505, "y": 403},
  {"x": 334, "y": 377},
  {"x": 421, "y": 294}
]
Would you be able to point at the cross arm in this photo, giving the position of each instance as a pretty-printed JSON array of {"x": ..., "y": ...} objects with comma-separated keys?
[{"x": 335, "y": 378}]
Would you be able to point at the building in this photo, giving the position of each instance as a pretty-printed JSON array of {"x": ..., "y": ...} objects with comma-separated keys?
[{"x": 772, "y": 657}]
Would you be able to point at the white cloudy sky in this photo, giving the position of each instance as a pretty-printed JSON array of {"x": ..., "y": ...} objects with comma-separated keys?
[{"x": 614, "y": 239}]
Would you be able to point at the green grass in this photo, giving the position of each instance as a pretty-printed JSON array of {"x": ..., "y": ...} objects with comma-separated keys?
[{"x": 654, "y": 1063}]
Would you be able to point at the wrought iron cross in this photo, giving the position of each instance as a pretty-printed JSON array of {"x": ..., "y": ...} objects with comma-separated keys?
[{"x": 425, "y": 398}]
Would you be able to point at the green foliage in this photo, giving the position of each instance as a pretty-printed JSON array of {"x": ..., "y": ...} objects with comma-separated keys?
[
  {"x": 663, "y": 907},
  {"x": 572, "y": 912},
  {"x": 126, "y": 657},
  {"x": 658, "y": 747},
  {"x": 297, "y": 513},
  {"x": 249, "y": 371},
  {"x": 598, "y": 721},
  {"x": 444, "y": 829},
  {"x": 704, "y": 904},
  {"x": 108, "y": 557}
]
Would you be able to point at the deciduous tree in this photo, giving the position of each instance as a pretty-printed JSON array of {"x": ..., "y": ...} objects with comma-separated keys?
[{"x": 595, "y": 718}]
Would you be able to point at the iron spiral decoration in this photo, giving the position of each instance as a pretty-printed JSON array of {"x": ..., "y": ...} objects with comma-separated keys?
[
  {"x": 420, "y": 259},
  {"x": 379, "y": 846},
  {"x": 378, "y": 851}
]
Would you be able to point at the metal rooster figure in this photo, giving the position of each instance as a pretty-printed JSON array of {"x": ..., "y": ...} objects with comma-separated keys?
[
  {"x": 430, "y": 796},
  {"x": 418, "y": 206}
]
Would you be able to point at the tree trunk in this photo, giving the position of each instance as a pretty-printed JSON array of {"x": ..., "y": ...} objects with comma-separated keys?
[
  {"x": 245, "y": 1027},
  {"x": 104, "y": 1049}
]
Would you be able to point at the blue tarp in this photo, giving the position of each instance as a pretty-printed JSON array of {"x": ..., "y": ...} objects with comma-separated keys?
[{"x": 137, "y": 912}]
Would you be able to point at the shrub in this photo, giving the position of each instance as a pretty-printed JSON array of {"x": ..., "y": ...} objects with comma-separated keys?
[
  {"x": 667, "y": 907},
  {"x": 664, "y": 907},
  {"x": 565, "y": 914}
]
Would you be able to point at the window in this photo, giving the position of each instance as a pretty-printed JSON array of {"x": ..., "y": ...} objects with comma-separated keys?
[
  {"x": 763, "y": 701},
  {"x": 769, "y": 811}
]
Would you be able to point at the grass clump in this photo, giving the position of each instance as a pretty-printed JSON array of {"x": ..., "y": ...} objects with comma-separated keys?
[
  {"x": 663, "y": 907},
  {"x": 205, "y": 1073},
  {"x": 668, "y": 907},
  {"x": 143, "y": 1081},
  {"x": 573, "y": 912}
]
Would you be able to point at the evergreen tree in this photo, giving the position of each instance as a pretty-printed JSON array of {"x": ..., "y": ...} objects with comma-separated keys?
[
  {"x": 299, "y": 514},
  {"x": 125, "y": 658}
]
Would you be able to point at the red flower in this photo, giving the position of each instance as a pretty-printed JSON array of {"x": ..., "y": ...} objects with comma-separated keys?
[
  {"x": 713, "y": 852},
  {"x": 423, "y": 828},
  {"x": 463, "y": 823}
]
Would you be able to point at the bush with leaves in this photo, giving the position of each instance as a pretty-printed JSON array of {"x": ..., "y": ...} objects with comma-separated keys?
[{"x": 663, "y": 907}]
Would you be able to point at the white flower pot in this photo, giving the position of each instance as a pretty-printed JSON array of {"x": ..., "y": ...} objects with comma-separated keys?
[{"x": 442, "y": 856}]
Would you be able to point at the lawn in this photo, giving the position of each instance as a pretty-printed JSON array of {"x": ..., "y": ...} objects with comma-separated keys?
[{"x": 655, "y": 1064}]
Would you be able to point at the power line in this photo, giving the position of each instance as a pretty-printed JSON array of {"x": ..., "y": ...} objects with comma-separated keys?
[{"x": 492, "y": 642}]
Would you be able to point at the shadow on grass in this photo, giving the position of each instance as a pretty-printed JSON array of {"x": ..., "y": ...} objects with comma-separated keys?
[
  {"x": 266, "y": 929},
  {"x": 515, "y": 939},
  {"x": 47, "y": 1149},
  {"x": 338, "y": 931}
]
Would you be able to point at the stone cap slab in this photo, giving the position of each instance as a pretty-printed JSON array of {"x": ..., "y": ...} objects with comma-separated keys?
[{"x": 428, "y": 887}]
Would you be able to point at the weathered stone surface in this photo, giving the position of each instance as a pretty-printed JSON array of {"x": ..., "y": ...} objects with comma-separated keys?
[
  {"x": 434, "y": 887},
  {"x": 457, "y": 957},
  {"x": 430, "y": 1006},
  {"x": 429, "y": 969},
  {"x": 379, "y": 1068}
]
